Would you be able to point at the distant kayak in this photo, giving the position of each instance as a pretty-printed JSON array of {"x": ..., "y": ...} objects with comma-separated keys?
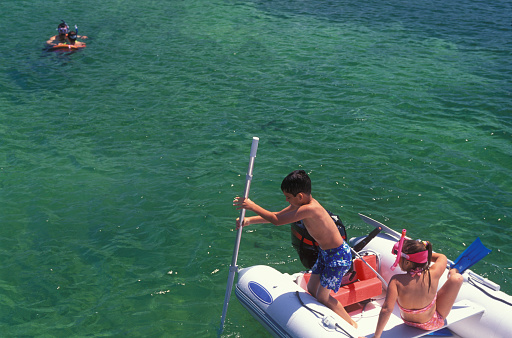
[{"x": 65, "y": 47}]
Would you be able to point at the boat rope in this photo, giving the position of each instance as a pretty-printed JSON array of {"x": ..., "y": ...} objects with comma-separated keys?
[
  {"x": 487, "y": 293},
  {"x": 321, "y": 314}
]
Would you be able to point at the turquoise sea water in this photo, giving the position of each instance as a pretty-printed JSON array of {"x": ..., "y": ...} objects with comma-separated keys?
[{"x": 119, "y": 163}]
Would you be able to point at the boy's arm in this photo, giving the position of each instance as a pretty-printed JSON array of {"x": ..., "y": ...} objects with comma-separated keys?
[
  {"x": 288, "y": 215},
  {"x": 251, "y": 220},
  {"x": 258, "y": 219}
]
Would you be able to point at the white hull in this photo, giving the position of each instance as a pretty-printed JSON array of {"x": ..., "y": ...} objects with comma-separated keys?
[{"x": 270, "y": 297}]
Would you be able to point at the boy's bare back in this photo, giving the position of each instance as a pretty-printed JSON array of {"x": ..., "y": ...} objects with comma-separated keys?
[{"x": 321, "y": 226}]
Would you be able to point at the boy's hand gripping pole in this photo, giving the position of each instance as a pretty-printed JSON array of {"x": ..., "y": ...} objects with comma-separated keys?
[{"x": 234, "y": 268}]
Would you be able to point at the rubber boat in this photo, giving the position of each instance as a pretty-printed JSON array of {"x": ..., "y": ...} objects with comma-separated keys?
[{"x": 280, "y": 302}]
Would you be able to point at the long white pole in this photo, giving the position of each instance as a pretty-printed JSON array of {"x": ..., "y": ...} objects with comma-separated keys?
[
  {"x": 234, "y": 268},
  {"x": 365, "y": 262}
]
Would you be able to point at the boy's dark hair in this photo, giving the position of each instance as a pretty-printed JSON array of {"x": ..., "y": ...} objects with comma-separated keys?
[{"x": 296, "y": 181}]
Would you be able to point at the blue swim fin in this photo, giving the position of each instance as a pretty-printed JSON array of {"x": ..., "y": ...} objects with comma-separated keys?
[{"x": 475, "y": 252}]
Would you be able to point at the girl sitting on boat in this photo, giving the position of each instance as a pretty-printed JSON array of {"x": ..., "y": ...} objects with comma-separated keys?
[{"x": 421, "y": 305}]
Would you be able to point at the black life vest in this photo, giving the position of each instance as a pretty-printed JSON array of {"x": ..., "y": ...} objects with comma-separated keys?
[{"x": 305, "y": 244}]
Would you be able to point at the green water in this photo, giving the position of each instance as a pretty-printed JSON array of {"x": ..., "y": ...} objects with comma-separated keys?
[{"x": 118, "y": 163}]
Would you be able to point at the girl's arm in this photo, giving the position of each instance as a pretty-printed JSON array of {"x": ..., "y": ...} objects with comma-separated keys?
[
  {"x": 440, "y": 262},
  {"x": 387, "y": 307},
  {"x": 436, "y": 256}
]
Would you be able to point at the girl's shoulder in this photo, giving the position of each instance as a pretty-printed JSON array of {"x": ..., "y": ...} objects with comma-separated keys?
[{"x": 400, "y": 280}]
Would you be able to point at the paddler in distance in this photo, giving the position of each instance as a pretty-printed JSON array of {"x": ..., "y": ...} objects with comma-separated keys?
[{"x": 62, "y": 37}]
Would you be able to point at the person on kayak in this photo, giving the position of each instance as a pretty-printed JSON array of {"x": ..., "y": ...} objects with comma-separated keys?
[
  {"x": 334, "y": 258},
  {"x": 63, "y": 30},
  {"x": 62, "y": 37},
  {"x": 420, "y": 304}
]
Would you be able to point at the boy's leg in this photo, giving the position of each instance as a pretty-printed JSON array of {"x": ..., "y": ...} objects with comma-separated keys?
[
  {"x": 322, "y": 294},
  {"x": 448, "y": 293},
  {"x": 324, "y": 297},
  {"x": 331, "y": 276},
  {"x": 313, "y": 284}
]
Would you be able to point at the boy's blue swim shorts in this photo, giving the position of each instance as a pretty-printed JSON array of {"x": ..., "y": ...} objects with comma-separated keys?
[{"x": 331, "y": 265}]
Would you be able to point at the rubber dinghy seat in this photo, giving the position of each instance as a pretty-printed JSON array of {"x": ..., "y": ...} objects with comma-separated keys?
[{"x": 367, "y": 285}]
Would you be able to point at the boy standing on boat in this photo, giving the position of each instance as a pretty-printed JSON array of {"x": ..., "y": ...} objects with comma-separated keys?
[{"x": 334, "y": 258}]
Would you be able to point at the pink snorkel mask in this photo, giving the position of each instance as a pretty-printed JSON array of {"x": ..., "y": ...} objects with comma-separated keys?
[
  {"x": 418, "y": 257},
  {"x": 398, "y": 248}
]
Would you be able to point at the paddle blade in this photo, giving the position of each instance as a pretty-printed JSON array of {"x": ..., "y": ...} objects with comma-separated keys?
[{"x": 475, "y": 252}]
